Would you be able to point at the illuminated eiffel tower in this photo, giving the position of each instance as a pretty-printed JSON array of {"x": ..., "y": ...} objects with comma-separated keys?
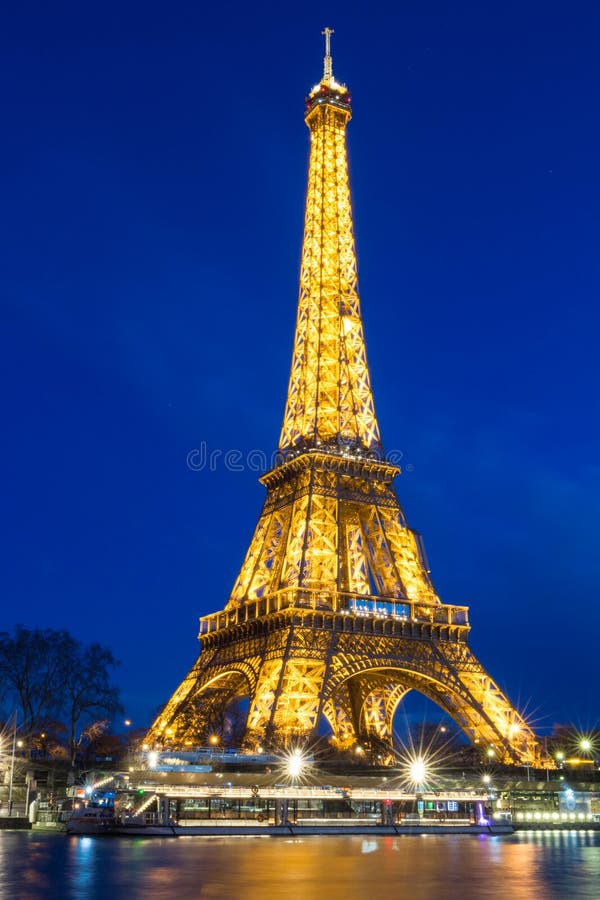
[{"x": 334, "y": 614}]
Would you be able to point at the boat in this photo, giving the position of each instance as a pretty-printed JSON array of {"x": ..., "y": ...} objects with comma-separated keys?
[
  {"x": 91, "y": 819},
  {"x": 102, "y": 814},
  {"x": 104, "y": 820}
]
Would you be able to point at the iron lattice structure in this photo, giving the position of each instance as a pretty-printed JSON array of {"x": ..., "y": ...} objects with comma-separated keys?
[{"x": 334, "y": 613}]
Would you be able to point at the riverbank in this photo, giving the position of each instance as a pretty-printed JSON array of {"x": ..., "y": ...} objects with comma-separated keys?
[
  {"x": 19, "y": 823},
  {"x": 556, "y": 826}
]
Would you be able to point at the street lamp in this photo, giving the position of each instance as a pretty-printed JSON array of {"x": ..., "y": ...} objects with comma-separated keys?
[
  {"x": 295, "y": 764},
  {"x": 127, "y": 724},
  {"x": 418, "y": 770},
  {"x": 12, "y": 766}
]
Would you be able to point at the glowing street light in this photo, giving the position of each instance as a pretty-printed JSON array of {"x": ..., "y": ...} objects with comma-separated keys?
[
  {"x": 418, "y": 770},
  {"x": 295, "y": 764},
  {"x": 585, "y": 745}
]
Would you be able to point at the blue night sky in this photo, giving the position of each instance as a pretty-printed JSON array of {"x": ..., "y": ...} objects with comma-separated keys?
[{"x": 153, "y": 167}]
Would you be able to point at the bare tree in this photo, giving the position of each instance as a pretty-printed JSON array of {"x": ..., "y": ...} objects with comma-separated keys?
[
  {"x": 88, "y": 692},
  {"x": 33, "y": 668},
  {"x": 90, "y": 734},
  {"x": 50, "y": 674}
]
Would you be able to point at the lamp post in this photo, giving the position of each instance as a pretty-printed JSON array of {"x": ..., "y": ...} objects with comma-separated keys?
[
  {"x": 127, "y": 724},
  {"x": 12, "y": 766}
]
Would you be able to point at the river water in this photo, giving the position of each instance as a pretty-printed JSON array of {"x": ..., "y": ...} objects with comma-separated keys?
[{"x": 525, "y": 866}]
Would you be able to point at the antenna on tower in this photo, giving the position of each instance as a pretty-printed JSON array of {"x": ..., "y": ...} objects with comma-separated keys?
[{"x": 327, "y": 64}]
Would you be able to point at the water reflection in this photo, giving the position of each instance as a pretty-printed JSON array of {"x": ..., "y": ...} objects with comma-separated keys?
[
  {"x": 80, "y": 873},
  {"x": 368, "y": 846},
  {"x": 549, "y": 865}
]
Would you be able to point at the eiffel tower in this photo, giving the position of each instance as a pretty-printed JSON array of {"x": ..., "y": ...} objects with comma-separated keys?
[{"x": 334, "y": 613}]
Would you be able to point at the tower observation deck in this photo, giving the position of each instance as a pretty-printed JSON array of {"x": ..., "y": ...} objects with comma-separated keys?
[{"x": 333, "y": 614}]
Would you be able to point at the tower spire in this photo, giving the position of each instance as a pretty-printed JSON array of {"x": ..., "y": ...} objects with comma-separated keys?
[
  {"x": 329, "y": 400},
  {"x": 327, "y": 62}
]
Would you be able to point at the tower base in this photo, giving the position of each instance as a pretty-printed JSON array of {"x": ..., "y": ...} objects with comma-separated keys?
[{"x": 351, "y": 665}]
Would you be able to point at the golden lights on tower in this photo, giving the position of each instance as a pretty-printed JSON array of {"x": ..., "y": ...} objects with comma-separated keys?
[{"x": 333, "y": 614}]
